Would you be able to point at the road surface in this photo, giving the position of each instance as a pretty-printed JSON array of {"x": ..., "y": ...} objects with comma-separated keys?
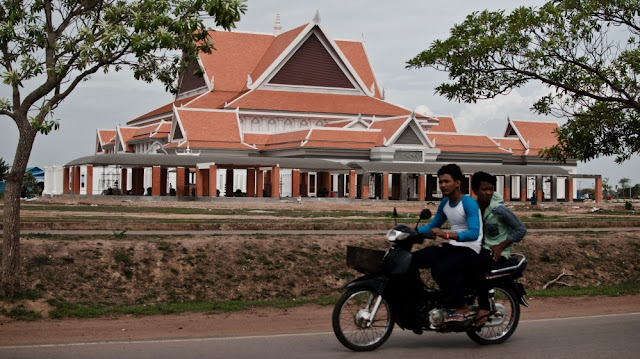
[{"x": 604, "y": 336}]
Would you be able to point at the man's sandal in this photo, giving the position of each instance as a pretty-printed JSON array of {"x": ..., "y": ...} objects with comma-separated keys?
[
  {"x": 476, "y": 320},
  {"x": 456, "y": 317}
]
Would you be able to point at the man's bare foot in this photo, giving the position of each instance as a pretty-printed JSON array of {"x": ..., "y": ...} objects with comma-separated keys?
[
  {"x": 481, "y": 317},
  {"x": 459, "y": 315}
]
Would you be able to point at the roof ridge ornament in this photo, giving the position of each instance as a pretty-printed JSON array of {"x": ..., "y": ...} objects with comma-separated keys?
[
  {"x": 373, "y": 87},
  {"x": 249, "y": 81},
  {"x": 316, "y": 17},
  {"x": 277, "y": 28}
]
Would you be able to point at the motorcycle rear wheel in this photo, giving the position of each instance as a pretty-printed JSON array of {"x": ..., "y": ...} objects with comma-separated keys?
[
  {"x": 353, "y": 325},
  {"x": 496, "y": 334}
]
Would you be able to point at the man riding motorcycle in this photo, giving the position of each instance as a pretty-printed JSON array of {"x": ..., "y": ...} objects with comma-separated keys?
[{"x": 450, "y": 261}]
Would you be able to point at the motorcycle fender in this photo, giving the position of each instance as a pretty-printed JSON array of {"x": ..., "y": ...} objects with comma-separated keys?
[
  {"x": 375, "y": 283},
  {"x": 521, "y": 293}
]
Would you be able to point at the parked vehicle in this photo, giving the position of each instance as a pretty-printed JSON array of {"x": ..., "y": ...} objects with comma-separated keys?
[{"x": 390, "y": 292}]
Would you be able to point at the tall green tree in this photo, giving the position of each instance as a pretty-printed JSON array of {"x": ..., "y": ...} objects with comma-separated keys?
[
  {"x": 623, "y": 184},
  {"x": 4, "y": 168},
  {"x": 49, "y": 47},
  {"x": 30, "y": 185},
  {"x": 586, "y": 52}
]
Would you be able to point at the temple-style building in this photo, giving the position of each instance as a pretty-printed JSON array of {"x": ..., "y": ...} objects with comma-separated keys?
[{"x": 299, "y": 114}]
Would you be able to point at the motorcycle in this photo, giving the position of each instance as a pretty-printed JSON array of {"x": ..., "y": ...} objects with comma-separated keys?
[{"x": 390, "y": 292}]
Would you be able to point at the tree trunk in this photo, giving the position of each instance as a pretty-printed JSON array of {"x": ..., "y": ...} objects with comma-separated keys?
[{"x": 11, "y": 221}]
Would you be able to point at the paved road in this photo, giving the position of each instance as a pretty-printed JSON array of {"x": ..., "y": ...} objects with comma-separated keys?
[{"x": 610, "y": 336}]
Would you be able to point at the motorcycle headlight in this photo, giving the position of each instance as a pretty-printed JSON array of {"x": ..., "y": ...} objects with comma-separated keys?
[{"x": 395, "y": 235}]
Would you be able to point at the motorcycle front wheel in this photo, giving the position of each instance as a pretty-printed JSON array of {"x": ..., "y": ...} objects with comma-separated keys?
[
  {"x": 502, "y": 324},
  {"x": 355, "y": 326}
]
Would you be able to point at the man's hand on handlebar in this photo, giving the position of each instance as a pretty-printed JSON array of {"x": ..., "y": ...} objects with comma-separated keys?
[{"x": 437, "y": 232}]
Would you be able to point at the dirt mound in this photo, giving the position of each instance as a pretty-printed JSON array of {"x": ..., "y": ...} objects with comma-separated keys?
[{"x": 115, "y": 271}]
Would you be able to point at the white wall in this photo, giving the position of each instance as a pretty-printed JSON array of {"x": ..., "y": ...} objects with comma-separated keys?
[{"x": 53, "y": 180}]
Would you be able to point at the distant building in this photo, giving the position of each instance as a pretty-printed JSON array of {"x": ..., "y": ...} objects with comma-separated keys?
[{"x": 298, "y": 113}]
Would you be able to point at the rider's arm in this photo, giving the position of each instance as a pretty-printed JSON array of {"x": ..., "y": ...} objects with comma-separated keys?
[
  {"x": 512, "y": 221},
  {"x": 438, "y": 219},
  {"x": 472, "y": 211}
]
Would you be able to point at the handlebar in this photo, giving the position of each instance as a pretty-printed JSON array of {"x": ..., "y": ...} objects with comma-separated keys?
[{"x": 419, "y": 237}]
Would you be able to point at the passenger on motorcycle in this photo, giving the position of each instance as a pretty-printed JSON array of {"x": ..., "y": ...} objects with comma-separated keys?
[
  {"x": 502, "y": 228},
  {"x": 450, "y": 261}
]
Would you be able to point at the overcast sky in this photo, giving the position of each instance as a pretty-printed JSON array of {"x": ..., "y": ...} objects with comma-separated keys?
[{"x": 393, "y": 31}]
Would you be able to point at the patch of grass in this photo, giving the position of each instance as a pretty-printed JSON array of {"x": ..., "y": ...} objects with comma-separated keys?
[
  {"x": 63, "y": 309},
  {"x": 43, "y": 236},
  {"x": 613, "y": 290},
  {"x": 164, "y": 246},
  {"x": 122, "y": 256},
  {"x": 211, "y": 211},
  {"x": 38, "y": 261},
  {"x": 120, "y": 234},
  {"x": 25, "y": 295},
  {"x": 582, "y": 243},
  {"x": 21, "y": 313}
]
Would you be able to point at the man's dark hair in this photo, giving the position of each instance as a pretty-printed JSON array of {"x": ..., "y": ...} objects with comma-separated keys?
[
  {"x": 453, "y": 170},
  {"x": 481, "y": 176}
]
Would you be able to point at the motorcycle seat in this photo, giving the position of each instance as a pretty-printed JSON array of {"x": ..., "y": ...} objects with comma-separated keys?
[{"x": 516, "y": 262}]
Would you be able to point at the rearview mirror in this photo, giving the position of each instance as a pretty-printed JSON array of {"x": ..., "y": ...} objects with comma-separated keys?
[{"x": 425, "y": 214}]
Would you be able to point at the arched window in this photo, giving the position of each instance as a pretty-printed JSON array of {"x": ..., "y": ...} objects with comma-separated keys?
[
  {"x": 288, "y": 125},
  {"x": 255, "y": 125},
  {"x": 272, "y": 126}
]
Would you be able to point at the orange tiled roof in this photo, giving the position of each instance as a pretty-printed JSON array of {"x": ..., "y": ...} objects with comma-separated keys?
[
  {"x": 166, "y": 109},
  {"x": 338, "y": 124},
  {"x": 156, "y": 131},
  {"x": 276, "y": 47},
  {"x": 445, "y": 124},
  {"x": 283, "y": 140},
  {"x": 217, "y": 145},
  {"x": 126, "y": 134},
  {"x": 236, "y": 55},
  {"x": 355, "y": 52},
  {"x": 106, "y": 136},
  {"x": 257, "y": 139},
  {"x": 212, "y": 100},
  {"x": 347, "y": 139},
  {"x": 512, "y": 144},
  {"x": 316, "y": 102},
  {"x": 209, "y": 130},
  {"x": 452, "y": 142},
  {"x": 537, "y": 134},
  {"x": 388, "y": 126},
  {"x": 209, "y": 125},
  {"x": 319, "y": 138}
]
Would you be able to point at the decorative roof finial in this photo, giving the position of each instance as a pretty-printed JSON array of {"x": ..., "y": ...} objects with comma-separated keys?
[
  {"x": 316, "y": 17},
  {"x": 277, "y": 29}
]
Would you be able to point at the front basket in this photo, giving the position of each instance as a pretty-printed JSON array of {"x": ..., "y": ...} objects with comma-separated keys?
[{"x": 364, "y": 260}]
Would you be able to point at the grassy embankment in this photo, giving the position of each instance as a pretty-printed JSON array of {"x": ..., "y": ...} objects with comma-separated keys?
[{"x": 123, "y": 262}]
